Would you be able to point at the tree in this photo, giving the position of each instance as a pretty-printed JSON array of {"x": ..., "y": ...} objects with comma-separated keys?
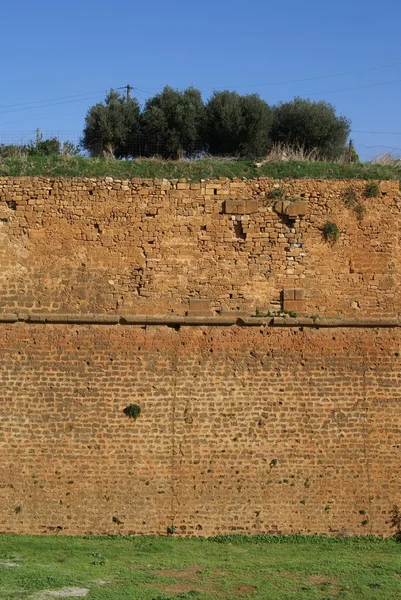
[
  {"x": 311, "y": 125},
  {"x": 112, "y": 127},
  {"x": 173, "y": 122},
  {"x": 238, "y": 125},
  {"x": 41, "y": 147}
]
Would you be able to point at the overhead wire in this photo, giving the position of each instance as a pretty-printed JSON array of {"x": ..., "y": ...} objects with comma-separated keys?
[
  {"x": 51, "y": 99},
  {"x": 319, "y": 76}
]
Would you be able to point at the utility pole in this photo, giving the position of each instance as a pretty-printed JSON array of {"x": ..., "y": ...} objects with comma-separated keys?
[
  {"x": 129, "y": 88},
  {"x": 37, "y": 136}
]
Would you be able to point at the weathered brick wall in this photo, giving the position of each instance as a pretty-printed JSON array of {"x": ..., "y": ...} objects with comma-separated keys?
[
  {"x": 241, "y": 430},
  {"x": 147, "y": 247}
]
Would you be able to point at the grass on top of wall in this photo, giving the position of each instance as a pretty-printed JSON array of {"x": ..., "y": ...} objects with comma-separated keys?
[
  {"x": 79, "y": 166},
  {"x": 230, "y": 567}
]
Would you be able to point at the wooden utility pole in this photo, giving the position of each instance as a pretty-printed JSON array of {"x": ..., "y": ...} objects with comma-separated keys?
[{"x": 129, "y": 88}]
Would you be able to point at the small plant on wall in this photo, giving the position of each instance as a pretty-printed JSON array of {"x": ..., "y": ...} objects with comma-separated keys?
[
  {"x": 330, "y": 231},
  {"x": 360, "y": 211},
  {"x": 132, "y": 411},
  {"x": 350, "y": 197},
  {"x": 277, "y": 193},
  {"x": 371, "y": 190}
]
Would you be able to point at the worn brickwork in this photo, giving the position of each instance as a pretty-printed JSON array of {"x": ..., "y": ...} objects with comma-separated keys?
[
  {"x": 241, "y": 429},
  {"x": 147, "y": 247}
]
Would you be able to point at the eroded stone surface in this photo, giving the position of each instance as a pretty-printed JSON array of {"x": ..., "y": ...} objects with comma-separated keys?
[{"x": 241, "y": 429}]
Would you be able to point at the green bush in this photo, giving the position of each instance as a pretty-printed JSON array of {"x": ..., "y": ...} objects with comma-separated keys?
[
  {"x": 330, "y": 231},
  {"x": 49, "y": 147},
  {"x": 371, "y": 190},
  {"x": 277, "y": 193},
  {"x": 350, "y": 197},
  {"x": 360, "y": 211},
  {"x": 133, "y": 411}
]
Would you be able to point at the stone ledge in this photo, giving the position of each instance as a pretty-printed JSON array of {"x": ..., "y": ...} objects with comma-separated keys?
[{"x": 228, "y": 319}]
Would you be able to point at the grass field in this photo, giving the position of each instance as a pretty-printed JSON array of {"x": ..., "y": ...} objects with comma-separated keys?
[
  {"x": 234, "y": 567},
  {"x": 79, "y": 166}
]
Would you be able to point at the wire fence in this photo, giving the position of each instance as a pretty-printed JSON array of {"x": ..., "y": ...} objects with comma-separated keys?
[
  {"x": 22, "y": 138},
  {"x": 70, "y": 142},
  {"x": 140, "y": 146}
]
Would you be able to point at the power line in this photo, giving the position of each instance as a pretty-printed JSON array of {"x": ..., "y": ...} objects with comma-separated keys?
[
  {"x": 378, "y": 132},
  {"x": 43, "y": 105},
  {"x": 43, "y": 117},
  {"x": 318, "y": 77},
  {"x": 359, "y": 87},
  {"x": 52, "y": 99}
]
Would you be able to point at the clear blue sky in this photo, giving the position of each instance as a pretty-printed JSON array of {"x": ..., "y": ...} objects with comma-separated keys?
[{"x": 53, "y": 50}]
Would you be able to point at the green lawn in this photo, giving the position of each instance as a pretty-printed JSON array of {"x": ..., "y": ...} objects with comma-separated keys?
[
  {"x": 79, "y": 166},
  {"x": 261, "y": 567}
]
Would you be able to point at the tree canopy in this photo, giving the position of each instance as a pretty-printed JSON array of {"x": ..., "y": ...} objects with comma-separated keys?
[
  {"x": 111, "y": 127},
  {"x": 237, "y": 125},
  {"x": 176, "y": 123},
  {"x": 311, "y": 125}
]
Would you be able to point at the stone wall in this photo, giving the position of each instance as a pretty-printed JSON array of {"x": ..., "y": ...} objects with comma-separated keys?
[
  {"x": 148, "y": 247},
  {"x": 247, "y": 424},
  {"x": 242, "y": 430}
]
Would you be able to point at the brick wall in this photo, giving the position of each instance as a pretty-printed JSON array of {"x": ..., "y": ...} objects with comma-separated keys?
[
  {"x": 147, "y": 247},
  {"x": 241, "y": 429}
]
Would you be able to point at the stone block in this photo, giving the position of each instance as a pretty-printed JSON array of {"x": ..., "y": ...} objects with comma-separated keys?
[
  {"x": 288, "y": 294},
  {"x": 240, "y": 206},
  {"x": 297, "y": 209},
  {"x": 299, "y": 294},
  {"x": 296, "y": 306},
  {"x": 230, "y": 206},
  {"x": 198, "y": 305}
]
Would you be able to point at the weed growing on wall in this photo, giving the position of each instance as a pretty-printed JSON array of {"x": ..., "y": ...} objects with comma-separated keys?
[
  {"x": 132, "y": 411},
  {"x": 359, "y": 210},
  {"x": 277, "y": 193},
  {"x": 350, "y": 197},
  {"x": 371, "y": 190},
  {"x": 330, "y": 231}
]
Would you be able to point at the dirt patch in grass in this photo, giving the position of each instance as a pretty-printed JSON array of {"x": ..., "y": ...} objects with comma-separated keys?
[
  {"x": 189, "y": 573},
  {"x": 67, "y": 592},
  {"x": 180, "y": 588},
  {"x": 245, "y": 589},
  {"x": 188, "y": 580},
  {"x": 319, "y": 579}
]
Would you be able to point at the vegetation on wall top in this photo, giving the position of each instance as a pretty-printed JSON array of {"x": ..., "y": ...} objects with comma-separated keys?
[{"x": 80, "y": 166}]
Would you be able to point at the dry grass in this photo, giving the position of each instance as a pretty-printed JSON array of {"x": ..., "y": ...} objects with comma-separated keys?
[
  {"x": 386, "y": 159},
  {"x": 285, "y": 153}
]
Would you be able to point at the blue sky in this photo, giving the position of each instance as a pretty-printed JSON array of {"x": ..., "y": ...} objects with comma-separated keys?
[{"x": 57, "y": 50}]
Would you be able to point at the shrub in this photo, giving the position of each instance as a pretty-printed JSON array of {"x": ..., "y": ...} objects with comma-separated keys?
[
  {"x": 277, "y": 193},
  {"x": 371, "y": 190},
  {"x": 132, "y": 411},
  {"x": 360, "y": 211},
  {"x": 11, "y": 150},
  {"x": 330, "y": 231},
  {"x": 350, "y": 197}
]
